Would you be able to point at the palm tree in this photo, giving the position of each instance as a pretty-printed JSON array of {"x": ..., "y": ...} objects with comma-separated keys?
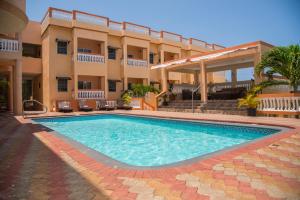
[{"x": 284, "y": 61}]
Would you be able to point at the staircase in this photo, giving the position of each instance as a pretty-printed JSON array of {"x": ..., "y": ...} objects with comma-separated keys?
[{"x": 229, "y": 107}]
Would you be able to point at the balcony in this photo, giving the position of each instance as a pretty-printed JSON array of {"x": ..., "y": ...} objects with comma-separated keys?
[
  {"x": 137, "y": 63},
  {"x": 90, "y": 18},
  {"x": 90, "y": 94},
  {"x": 91, "y": 58},
  {"x": 135, "y": 28},
  {"x": 7, "y": 45},
  {"x": 171, "y": 36},
  {"x": 117, "y": 26}
]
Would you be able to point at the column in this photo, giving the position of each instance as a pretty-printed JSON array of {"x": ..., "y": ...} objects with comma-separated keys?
[
  {"x": 164, "y": 77},
  {"x": 203, "y": 82},
  {"x": 17, "y": 99},
  {"x": 196, "y": 78},
  {"x": 257, "y": 78},
  {"x": 11, "y": 90},
  {"x": 233, "y": 77},
  {"x": 125, "y": 81}
]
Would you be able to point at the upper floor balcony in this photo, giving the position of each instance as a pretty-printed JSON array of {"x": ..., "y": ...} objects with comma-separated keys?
[
  {"x": 9, "y": 45},
  {"x": 93, "y": 58},
  {"x": 10, "y": 49},
  {"x": 137, "y": 63},
  {"x": 74, "y": 18}
]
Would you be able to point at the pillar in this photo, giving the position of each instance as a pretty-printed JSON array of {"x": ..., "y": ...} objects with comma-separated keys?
[
  {"x": 125, "y": 83},
  {"x": 17, "y": 98},
  {"x": 125, "y": 79},
  {"x": 203, "y": 82},
  {"x": 164, "y": 77},
  {"x": 196, "y": 78},
  {"x": 257, "y": 78},
  {"x": 233, "y": 77}
]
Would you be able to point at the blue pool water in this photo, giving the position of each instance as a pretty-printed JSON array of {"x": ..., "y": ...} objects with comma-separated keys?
[{"x": 141, "y": 141}]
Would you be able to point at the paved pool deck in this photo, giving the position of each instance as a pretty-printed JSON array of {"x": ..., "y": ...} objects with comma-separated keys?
[{"x": 35, "y": 164}]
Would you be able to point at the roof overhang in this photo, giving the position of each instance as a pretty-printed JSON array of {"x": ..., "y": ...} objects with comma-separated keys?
[{"x": 215, "y": 59}]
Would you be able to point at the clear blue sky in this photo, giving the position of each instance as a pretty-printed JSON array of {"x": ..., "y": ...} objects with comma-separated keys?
[{"x": 224, "y": 22}]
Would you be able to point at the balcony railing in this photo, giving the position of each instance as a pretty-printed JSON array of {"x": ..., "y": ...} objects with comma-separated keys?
[
  {"x": 82, "y": 57},
  {"x": 90, "y": 94},
  {"x": 171, "y": 36},
  {"x": 279, "y": 103},
  {"x": 155, "y": 34},
  {"x": 91, "y": 19},
  {"x": 9, "y": 45},
  {"x": 137, "y": 63},
  {"x": 199, "y": 43},
  {"x": 136, "y": 28},
  {"x": 115, "y": 25},
  {"x": 185, "y": 41},
  {"x": 61, "y": 14},
  {"x": 217, "y": 47}
]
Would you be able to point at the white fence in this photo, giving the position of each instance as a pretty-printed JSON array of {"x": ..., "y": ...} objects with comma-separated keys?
[
  {"x": 81, "y": 57},
  {"x": 9, "y": 45},
  {"x": 90, "y": 94},
  {"x": 284, "y": 104},
  {"x": 219, "y": 86},
  {"x": 137, "y": 63}
]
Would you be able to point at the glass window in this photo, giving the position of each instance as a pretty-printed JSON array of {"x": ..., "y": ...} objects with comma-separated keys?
[
  {"x": 62, "y": 85},
  {"x": 84, "y": 85},
  {"x": 112, "y": 86},
  {"x": 84, "y": 50},
  {"x": 111, "y": 53},
  {"x": 31, "y": 50},
  {"x": 151, "y": 58},
  {"x": 62, "y": 47}
]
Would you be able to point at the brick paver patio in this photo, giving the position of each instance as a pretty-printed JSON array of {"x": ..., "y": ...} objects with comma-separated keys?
[{"x": 35, "y": 164}]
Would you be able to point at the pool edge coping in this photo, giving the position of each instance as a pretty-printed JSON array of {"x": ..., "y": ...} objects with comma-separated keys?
[{"x": 110, "y": 162}]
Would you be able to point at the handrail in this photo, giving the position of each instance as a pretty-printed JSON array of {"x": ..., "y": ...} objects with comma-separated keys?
[
  {"x": 157, "y": 96},
  {"x": 45, "y": 109},
  {"x": 194, "y": 90}
]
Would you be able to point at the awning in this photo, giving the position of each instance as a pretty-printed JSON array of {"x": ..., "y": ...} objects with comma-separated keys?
[
  {"x": 195, "y": 59},
  {"x": 63, "y": 77}
]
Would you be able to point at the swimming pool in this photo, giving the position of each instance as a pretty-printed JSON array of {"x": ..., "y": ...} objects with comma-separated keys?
[{"x": 143, "y": 141}]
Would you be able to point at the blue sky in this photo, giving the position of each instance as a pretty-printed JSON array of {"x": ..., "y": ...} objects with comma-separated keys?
[{"x": 224, "y": 22}]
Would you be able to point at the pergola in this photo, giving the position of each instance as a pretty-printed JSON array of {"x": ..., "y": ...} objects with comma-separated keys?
[{"x": 231, "y": 58}]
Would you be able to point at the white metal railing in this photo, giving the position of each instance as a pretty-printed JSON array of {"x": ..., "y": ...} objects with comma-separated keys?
[
  {"x": 136, "y": 28},
  {"x": 171, "y": 36},
  {"x": 81, "y": 57},
  {"x": 9, "y": 45},
  {"x": 97, "y": 20},
  {"x": 90, "y": 94},
  {"x": 198, "y": 43},
  {"x": 185, "y": 41},
  {"x": 213, "y": 87},
  {"x": 284, "y": 104},
  {"x": 115, "y": 26},
  {"x": 137, "y": 63},
  {"x": 155, "y": 34},
  {"x": 58, "y": 14}
]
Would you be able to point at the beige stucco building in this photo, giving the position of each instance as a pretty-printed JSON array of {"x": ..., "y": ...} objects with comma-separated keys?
[{"x": 70, "y": 54}]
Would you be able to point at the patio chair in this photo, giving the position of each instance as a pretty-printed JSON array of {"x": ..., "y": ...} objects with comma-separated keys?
[
  {"x": 122, "y": 106},
  {"x": 84, "y": 107},
  {"x": 103, "y": 105},
  {"x": 64, "y": 106}
]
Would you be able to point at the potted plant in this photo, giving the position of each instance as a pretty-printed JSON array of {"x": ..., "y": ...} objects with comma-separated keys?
[
  {"x": 126, "y": 99},
  {"x": 251, "y": 102}
]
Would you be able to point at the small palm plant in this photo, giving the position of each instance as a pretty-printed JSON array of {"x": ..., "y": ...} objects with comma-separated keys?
[
  {"x": 251, "y": 102},
  {"x": 284, "y": 61},
  {"x": 126, "y": 98}
]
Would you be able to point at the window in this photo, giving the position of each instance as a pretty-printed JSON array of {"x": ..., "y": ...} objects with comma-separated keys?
[
  {"x": 62, "y": 47},
  {"x": 112, "y": 86},
  {"x": 62, "y": 85},
  {"x": 111, "y": 53},
  {"x": 129, "y": 56},
  {"x": 151, "y": 57},
  {"x": 31, "y": 50},
  {"x": 84, "y": 50},
  {"x": 84, "y": 85}
]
